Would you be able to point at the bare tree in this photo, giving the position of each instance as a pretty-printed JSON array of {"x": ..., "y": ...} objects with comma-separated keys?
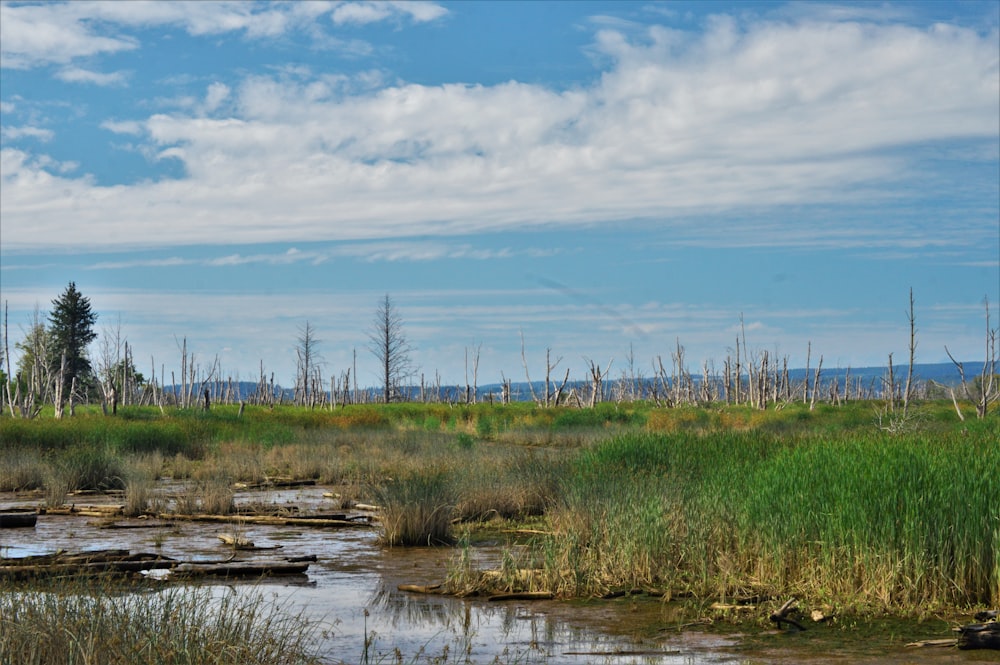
[
  {"x": 908, "y": 390},
  {"x": 387, "y": 342},
  {"x": 308, "y": 365},
  {"x": 986, "y": 387}
]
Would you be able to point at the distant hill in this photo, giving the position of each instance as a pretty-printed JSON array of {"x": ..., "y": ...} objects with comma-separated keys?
[{"x": 942, "y": 373}]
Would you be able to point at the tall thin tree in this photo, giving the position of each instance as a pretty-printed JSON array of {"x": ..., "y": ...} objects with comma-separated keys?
[
  {"x": 308, "y": 362},
  {"x": 387, "y": 342}
]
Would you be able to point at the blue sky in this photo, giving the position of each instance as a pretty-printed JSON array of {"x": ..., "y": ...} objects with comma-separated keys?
[{"x": 603, "y": 179}]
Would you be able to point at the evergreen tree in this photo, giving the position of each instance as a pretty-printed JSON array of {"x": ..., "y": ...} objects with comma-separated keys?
[{"x": 71, "y": 326}]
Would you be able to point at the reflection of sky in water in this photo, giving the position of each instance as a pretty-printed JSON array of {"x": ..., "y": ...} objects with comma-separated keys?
[{"x": 354, "y": 575}]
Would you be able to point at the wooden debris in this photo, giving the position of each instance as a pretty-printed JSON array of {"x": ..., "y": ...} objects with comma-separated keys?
[
  {"x": 265, "y": 519},
  {"x": 141, "y": 524},
  {"x": 985, "y": 635},
  {"x": 14, "y": 519},
  {"x": 241, "y": 543},
  {"x": 85, "y": 510},
  {"x": 522, "y": 595},
  {"x": 781, "y": 616},
  {"x": 934, "y": 643},
  {"x": 124, "y": 562},
  {"x": 239, "y": 569},
  {"x": 271, "y": 483},
  {"x": 417, "y": 588},
  {"x": 236, "y": 542},
  {"x": 980, "y": 636},
  {"x": 84, "y": 563}
]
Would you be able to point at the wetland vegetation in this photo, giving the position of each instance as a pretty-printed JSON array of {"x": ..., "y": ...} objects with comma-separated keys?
[{"x": 721, "y": 503}]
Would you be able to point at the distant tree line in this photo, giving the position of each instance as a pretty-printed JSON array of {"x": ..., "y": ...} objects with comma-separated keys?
[{"x": 54, "y": 366}]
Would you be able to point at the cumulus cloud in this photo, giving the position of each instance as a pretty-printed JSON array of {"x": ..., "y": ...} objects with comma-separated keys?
[
  {"x": 741, "y": 116},
  {"x": 33, "y": 35}
]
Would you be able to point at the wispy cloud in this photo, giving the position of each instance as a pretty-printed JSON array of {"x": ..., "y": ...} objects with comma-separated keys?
[
  {"x": 36, "y": 35},
  {"x": 79, "y": 75},
  {"x": 372, "y": 12},
  {"x": 37, "y": 133},
  {"x": 390, "y": 251}
]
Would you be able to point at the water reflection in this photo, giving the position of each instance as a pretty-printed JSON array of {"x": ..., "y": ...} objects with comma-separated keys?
[{"x": 354, "y": 576}]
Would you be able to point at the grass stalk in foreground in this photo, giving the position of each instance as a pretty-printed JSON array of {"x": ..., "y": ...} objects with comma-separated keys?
[{"x": 99, "y": 623}]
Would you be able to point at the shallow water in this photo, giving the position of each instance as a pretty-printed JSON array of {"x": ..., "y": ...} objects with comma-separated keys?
[{"x": 352, "y": 591}]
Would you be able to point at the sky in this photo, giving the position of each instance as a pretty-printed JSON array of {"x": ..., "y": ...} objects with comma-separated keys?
[{"x": 602, "y": 180}]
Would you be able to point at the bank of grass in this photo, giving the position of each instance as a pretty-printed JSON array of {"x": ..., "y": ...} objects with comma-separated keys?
[
  {"x": 101, "y": 622},
  {"x": 718, "y": 502},
  {"x": 868, "y": 520}
]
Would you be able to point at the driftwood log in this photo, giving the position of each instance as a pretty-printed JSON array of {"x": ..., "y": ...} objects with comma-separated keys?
[
  {"x": 980, "y": 636},
  {"x": 781, "y": 615},
  {"x": 123, "y": 562},
  {"x": 267, "y": 519},
  {"x": 985, "y": 635}
]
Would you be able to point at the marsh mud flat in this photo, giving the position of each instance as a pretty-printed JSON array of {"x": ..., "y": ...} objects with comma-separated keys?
[{"x": 352, "y": 591}]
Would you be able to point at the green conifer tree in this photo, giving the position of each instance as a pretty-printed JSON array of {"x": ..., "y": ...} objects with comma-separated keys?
[{"x": 71, "y": 326}]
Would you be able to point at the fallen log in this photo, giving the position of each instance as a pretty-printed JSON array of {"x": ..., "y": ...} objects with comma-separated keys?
[
  {"x": 522, "y": 595},
  {"x": 135, "y": 563},
  {"x": 143, "y": 524},
  {"x": 979, "y": 636},
  {"x": 271, "y": 483},
  {"x": 263, "y": 519},
  {"x": 781, "y": 616},
  {"x": 417, "y": 588},
  {"x": 240, "y": 569},
  {"x": 241, "y": 543},
  {"x": 18, "y": 518},
  {"x": 934, "y": 643},
  {"x": 62, "y": 556},
  {"x": 85, "y": 510}
]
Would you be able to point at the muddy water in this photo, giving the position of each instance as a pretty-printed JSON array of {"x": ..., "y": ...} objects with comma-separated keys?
[{"x": 352, "y": 591}]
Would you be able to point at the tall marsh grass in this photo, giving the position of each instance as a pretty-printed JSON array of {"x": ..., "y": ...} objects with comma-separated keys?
[
  {"x": 418, "y": 509},
  {"x": 99, "y": 623},
  {"x": 869, "y": 519}
]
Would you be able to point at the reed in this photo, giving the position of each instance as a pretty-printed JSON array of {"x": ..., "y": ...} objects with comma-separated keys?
[
  {"x": 870, "y": 520},
  {"x": 87, "y": 622},
  {"x": 141, "y": 474},
  {"x": 417, "y": 509},
  {"x": 21, "y": 470},
  {"x": 210, "y": 495}
]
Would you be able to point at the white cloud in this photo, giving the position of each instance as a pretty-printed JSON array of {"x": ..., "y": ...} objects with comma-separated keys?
[
  {"x": 123, "y": 127},
  {"x": 366, "y": 251},
  {"x": 753, "y": 116},
  {"x": 15, "y": 133},
  {"x": 217, "y": 93},
  {"x": 59, "y": 32},
  {"x": 78, "y": 75},
  {"x": 372, "y": 12},
  {"x": 33, "y": 35}
]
